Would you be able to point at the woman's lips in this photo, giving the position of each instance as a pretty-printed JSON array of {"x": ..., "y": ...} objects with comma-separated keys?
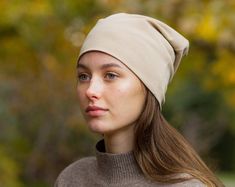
[{"x": 95, "y": 111}]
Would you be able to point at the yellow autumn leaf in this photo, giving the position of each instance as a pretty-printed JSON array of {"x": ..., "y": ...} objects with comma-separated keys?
[{"x": 207, "y": 28}]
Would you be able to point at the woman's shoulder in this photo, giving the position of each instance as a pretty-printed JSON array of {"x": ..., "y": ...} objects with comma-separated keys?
[
  {"x": 77, "y": 169},
  {"x": 78, "y": 165},
  {"x": 191, "y": 183}
]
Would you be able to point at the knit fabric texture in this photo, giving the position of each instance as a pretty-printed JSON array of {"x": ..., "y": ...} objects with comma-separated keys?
[
  {"x": 110, "y": 170},
  {"x": 148, "y": 47}
]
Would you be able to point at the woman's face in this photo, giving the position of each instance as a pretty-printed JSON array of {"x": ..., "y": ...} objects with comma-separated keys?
[{"x": 111, "y": 97}]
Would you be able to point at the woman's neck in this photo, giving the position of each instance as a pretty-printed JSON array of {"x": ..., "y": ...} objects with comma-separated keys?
[{"x": 121, "y": 141}]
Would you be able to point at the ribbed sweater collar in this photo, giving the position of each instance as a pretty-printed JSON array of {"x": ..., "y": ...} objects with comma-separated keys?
[{"x": 116, "y": 168}]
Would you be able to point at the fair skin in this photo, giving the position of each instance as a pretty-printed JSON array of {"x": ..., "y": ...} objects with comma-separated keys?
[{"x": 111, "y": 98}]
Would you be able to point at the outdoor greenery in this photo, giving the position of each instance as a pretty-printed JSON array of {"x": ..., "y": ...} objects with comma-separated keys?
[{"x": 41, "y": 127}]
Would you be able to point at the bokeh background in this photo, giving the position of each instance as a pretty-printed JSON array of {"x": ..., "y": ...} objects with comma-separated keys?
[{"x": 41, "y": 127}]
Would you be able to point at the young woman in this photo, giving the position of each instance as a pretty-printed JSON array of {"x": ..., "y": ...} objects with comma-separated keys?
[{"x": 124, "y": 68}]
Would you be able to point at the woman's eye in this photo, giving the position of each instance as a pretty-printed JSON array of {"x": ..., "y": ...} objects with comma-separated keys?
[
  {"x": 83, "y": 77},
  {"x": 111, "y": 76}
]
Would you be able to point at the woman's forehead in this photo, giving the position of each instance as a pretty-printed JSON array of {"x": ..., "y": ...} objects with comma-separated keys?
[{"x": 96, "y": 58}]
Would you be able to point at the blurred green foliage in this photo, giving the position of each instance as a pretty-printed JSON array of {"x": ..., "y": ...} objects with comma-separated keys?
[{"x": 41, "y": 128}]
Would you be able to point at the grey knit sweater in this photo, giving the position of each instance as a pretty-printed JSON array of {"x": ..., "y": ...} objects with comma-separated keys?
[{"x": 110, "y": 170}]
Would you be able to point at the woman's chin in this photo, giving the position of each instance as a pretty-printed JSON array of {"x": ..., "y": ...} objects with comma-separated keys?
[{"x": 97, "y": 128}]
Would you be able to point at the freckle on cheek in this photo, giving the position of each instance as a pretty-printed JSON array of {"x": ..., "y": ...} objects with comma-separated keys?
[{"x": 122, "y": 91}]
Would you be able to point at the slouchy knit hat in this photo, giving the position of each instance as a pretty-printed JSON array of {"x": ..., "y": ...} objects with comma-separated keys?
[{"x": 148, "y": 47}]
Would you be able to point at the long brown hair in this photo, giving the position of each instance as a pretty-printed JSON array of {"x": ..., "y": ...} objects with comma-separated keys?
[{"x": 162, "y": 152}]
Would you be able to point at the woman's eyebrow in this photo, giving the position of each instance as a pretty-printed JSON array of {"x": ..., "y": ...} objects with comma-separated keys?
[{"x": 81, "y": 66}]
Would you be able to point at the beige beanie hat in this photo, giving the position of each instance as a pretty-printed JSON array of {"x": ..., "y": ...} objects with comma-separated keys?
[{"x": 148, "y": 47}]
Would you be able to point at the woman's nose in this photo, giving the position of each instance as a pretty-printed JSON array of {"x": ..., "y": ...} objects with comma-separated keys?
[{"x": 94, "y": 89}]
